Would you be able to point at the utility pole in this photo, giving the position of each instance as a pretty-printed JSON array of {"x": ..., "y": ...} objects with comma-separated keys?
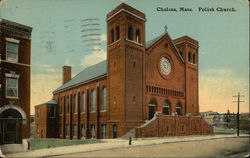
[{"x": 238, "y": 113}]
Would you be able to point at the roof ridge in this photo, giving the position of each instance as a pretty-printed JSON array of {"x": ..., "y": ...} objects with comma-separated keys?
[
  {"x": 91, "y": 72},
  {"x": 86, "y": 69}
]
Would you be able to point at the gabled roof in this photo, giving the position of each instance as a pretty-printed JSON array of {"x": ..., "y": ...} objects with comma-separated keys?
[
  {"x": 51, "y": 102},
  {"x": 88, "y": 74},
  {"x": 153, "y": 41}
]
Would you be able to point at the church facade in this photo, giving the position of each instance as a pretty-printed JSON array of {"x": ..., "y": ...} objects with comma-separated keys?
[{"x": 139, "y": 85}]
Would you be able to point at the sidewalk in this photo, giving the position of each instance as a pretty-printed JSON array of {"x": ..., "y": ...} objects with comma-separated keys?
[{"x": 114, "y": 144}]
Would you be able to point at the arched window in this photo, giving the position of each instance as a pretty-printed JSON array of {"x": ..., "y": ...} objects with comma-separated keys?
[
  {"x": 189, "y": 57},
  {"x": 166, "y": 108},
  {"x": 104, "y": 98},
  {"x": 138, "y": 36},
  {"x": 178, "y": 109},
  {"x": 194, "y": 58},
  {"x": 130, "y": 33},
  {"x": 117, "y": 32},
  {"x": 112, "y": 33},
  {"x": 151, "y": 108}
]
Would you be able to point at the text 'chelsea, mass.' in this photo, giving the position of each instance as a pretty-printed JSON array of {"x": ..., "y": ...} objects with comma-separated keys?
[{"x": 167, "y": 9}]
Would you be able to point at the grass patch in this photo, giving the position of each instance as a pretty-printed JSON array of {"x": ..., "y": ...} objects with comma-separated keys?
[
  {"x": 228, "y": 131},
  {"x": 41, "y": 143}
]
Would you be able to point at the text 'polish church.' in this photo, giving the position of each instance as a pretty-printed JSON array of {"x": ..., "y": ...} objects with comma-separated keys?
[{"x": 143, "y": 89}]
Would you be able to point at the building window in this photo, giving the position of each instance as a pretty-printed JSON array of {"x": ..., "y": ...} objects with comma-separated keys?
[
  {"x": 61, "y": 105},
  {"x": 189, "y": 57},
  {"x": 75, "y": 103},
  {"x": 93, "y": 100},
  {"x": 52, "y": 111},
  {"x": 61, "y": 129},
  {"x": 103, "y": 131},
  {"x": 151, "y": 108},
  {"x": 74, "y": 130},
  {"x": 114, "y": 100},
  {"x": 138, "y": 36},
  {"x": 67, "y": 130},
  {"x": 194, "y": 58},
  {"x": 104, "y": 102},
  {"x": 92, "y": 129},
  {"x": 178, "y": 109},
  {"x": 83, "y": 131},
  {"x": 67, "y": 104},
  {"x": 112, "y": 36},
  {"x": 114, "y": 131},
  {"x": 117, "y": 31},
  {"x": 12, "y": 87},
  {"x": 166, "y": 108},
  {"x": 12, "y": 52},
  {"x": 133, "y": 99},
  {"x": 130, "y": 33},
  {"x": 83, "y": 102},
  {"x": 134, "y": 64}
]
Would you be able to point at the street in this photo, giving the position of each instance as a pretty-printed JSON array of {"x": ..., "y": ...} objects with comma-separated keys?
[{"x": 204, "y": 148}]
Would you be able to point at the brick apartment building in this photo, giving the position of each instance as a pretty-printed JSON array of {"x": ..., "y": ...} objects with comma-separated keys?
[
  {"x": 14, "y": 82},
  {"x": 146, "y": 89}
]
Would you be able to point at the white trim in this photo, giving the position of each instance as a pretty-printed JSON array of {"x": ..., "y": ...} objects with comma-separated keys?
[
  {"x": 14, "y": 63},
  {"x": 15, "y": 107},
  {"x": 115, "y": 42},
  {"x": 11, "y": 75},
  {"x": 12, "y": 40},
  {"x": 192, "y": 64},
  {"x": 134, "y": 42},
  {"x": 126, "y": 12}
]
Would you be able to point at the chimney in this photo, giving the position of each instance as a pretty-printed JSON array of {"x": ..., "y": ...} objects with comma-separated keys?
[{"x": 66, "y": 74}]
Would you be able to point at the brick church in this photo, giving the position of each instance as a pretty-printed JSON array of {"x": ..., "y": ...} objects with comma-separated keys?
[{"x": 143, "y": 89}]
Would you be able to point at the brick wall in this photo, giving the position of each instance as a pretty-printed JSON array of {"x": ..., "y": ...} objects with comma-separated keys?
[{"x": 164, "y": 125}]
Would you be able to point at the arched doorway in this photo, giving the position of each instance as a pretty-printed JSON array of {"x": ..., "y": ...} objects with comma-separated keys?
[
  {"x": 166, "y": 108},
  {"x": 10, "y": 127},
  {"x": 151, "y": 108}
]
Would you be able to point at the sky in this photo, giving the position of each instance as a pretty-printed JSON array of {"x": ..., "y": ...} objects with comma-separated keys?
[{"x": 58, "y": 39}]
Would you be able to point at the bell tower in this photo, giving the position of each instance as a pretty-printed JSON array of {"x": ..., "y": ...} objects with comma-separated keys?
[
  {"x": 188, "y": 49},
  {"x": 126, "y": 49}
]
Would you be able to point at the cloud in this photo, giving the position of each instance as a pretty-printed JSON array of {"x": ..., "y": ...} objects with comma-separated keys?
[
  {"x": 49, "y": 68},
  {"x": 93, "y": 58},
  {"x": 69, "y": 63},
  {"x": 217, "y": 86},
  {"x": 42, "y": 86},
  {"x": 103, "y": 37}
]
